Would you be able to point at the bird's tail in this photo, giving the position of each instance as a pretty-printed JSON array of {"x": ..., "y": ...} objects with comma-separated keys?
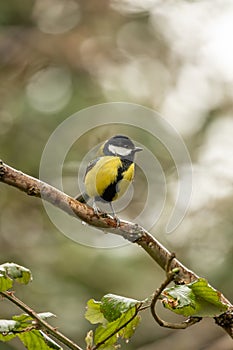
[{"x": 82, "y": 197}]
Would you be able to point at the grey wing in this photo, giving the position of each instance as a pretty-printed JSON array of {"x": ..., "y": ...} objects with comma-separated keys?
[
  {"x": 83, "y": 197},
  {"x": 91, "y": 165}
]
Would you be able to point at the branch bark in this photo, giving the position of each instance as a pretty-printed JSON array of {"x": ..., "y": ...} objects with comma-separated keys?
[{"x": 130, "y": 231}]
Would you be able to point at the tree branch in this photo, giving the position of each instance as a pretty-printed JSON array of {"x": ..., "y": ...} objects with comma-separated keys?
[{"x": 130, "y": 231}]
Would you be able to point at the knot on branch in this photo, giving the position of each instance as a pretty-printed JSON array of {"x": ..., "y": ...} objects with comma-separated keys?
[
  {"x": 133, "y": 233},
  {"x": 225, "y": 321},
  {"x": 33, "y": 191},
  {"x": 2, "y": 169}
]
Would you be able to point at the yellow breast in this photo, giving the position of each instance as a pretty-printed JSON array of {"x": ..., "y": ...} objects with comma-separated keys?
[{"x": 104, "y": 173}]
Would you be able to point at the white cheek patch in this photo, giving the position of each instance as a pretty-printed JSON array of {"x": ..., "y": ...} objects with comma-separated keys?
[{"x": 121, "y": 151}]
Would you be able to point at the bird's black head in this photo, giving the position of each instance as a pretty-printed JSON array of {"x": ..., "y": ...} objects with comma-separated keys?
[{"x": 120, "y": 146}]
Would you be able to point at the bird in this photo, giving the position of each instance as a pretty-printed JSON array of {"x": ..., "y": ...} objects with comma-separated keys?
[{"x": 108, "y": 176}]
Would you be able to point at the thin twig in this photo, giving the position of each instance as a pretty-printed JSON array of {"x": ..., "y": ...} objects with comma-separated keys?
[{"x": 42, "y": 323}]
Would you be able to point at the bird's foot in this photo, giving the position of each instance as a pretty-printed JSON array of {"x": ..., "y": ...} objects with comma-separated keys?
[
  {"x": 97, "y": 211},
  {"x": 118, "y": 222}
]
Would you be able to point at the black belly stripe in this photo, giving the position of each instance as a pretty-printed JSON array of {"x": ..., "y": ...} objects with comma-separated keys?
[{"x": 111, "y": 190}]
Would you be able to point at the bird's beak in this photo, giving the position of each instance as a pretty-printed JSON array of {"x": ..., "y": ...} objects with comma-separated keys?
[{"x": 138, "y": 149}]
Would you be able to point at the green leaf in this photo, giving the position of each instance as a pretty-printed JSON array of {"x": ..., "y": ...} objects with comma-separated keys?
[
  {"x": 7, "y": 337},
  {"x": 24, "y": 320},
  {"x": 26, "y": 317},
  {"x": 113, "y": 306},
  {"x": 128, "y": 331},
  {"x": 7, "y": 326},
  {"x": 50, "y": 342},
  {"x": 37, "y": 340},
  {"x": 194, "y": 299},
  {"x": 93, "y": 313},
  {"x": 202, "y": 289},
  {"x": 5, "y": 281},
  {"x": 20, "y": 323},
  {"x": 10, "y": 272},
  {"x": 20, "y": 326},
  {"x": 46, "y": 315},
  {"x": 109, "y": 347},
  {"x": 117, "y": 316},
  {"x": 123, "y": 327}
]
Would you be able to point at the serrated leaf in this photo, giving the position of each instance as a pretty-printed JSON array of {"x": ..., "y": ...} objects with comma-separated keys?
[
  {"x": 36, "y": 340},
  {"x": 194, "y": 299},
  {"x": 12, "y": 271},
  {"x": 113, "y": 306},
  {"x": 93, "y": 313},
  {"x": 203, "y": 290},
  {"x": 123, "y": 327}
]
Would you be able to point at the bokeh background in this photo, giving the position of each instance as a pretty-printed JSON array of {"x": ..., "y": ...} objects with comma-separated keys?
[{"x": 60, "y": 56}]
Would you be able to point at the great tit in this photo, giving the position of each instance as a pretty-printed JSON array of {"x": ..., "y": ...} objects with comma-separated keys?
[{"x": 108, "y": 176}]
